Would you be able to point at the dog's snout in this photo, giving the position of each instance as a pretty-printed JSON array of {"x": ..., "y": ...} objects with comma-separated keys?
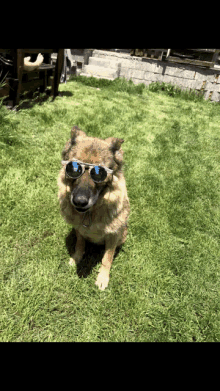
[
  {"x": 83, "y": 198},
  {"x": 80, "y": 201}
]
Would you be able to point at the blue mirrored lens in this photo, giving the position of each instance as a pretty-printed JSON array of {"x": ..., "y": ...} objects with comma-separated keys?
[
  {"x": 97, "y": 170},
  {"x": 74, "y": 169},
  {"x": 98, "y": 174}
]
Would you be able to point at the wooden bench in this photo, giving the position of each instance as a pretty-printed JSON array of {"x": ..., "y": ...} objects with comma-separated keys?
[
  {"x": 192, "y": 56},
  {"x": 47, "y": 74},
  {"x": 184, "y": 56}
]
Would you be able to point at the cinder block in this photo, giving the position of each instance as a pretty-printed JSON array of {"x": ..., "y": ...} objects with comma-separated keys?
[
  {"x": 97, "y": 77},
  {"x": 179, "y": 72},
  {"x": 125, "y": 63},
  {"x": 205, "y": 74},
  {"x": 168, "y": 79},
  {"x": 138, "y": 74},
  {"x": 148, "y": 66},
  {"x": 187, "y": 83},
  {"x": 139, "y": 81},
  {"x": 124, "y": 73},
  {"x": 215, "y": 96},
  {"x": 136, "y": 81},
  {"x": 194, "y": 84},
  {"x": 207, "y": 94},
  {"x": 129, "y": 73},
  {"x": 217, "y": 78},
  {"x": 114, "y": 55},
  {"x": 150, "y": 76},
  {"x": 103, "y": 62},
  {"x": 146, "y": 82},
  {"x": 99, "y": 71},
  {"x": 212, "y": 86},
  {"x": 139, "y": 65}
]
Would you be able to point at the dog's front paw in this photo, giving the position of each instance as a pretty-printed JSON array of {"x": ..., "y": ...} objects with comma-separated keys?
[
  {"x": 103, "y": 278},
  {"x": 72, "y": 262},
  {"x": 75, "y": 259}
]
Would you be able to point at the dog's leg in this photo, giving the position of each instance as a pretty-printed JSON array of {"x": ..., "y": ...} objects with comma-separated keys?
[
  {"x": 103, "y": 276},
  {"x": 79, "y": 250}
]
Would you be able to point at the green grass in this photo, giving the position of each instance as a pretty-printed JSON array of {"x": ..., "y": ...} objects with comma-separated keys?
[{"x": 164, "y": 283}]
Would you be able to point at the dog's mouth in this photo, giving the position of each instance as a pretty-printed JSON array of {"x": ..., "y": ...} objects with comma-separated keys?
[{"x": 81, "y": 210}]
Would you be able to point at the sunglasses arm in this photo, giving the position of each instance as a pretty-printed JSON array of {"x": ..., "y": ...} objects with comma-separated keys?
[{"x": 76, "y": 160}]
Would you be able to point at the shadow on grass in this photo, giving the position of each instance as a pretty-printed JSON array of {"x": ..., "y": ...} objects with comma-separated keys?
[
  {"x": 93, "y": 254},
  {"x": 30, "y": 99}
]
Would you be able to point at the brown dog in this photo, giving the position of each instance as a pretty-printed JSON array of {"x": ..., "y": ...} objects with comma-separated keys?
[{"x": 93, "y": 195}]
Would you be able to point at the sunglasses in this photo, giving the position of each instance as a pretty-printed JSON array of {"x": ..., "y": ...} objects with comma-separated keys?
[{"x": 76, "y": 168}]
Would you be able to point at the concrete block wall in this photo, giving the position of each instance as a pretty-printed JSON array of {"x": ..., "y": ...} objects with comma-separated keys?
[{"x": 143, "y": 70}]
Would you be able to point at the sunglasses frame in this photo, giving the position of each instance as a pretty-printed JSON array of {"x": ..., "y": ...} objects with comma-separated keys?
[{"x": 108, "y": 170}]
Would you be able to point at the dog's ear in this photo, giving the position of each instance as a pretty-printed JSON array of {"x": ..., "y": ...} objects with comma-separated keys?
[
  {"x": 115, "y": 143},
  {"x": 115, "y": 148},
  {"x": 66, "y": 150},
  {"x": 75, "y": 132}
]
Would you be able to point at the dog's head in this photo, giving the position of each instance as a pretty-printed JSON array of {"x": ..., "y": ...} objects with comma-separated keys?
[{"x": 84, "y": 192}]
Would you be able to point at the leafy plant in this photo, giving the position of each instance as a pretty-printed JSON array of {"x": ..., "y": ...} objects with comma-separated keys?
[{"x": 174, "y": 91}]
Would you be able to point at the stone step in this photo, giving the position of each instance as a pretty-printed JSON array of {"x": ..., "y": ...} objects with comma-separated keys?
[{"x": 103, "y": 72}]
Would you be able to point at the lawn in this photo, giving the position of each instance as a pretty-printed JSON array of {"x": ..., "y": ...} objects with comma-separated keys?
[{"x": 164, "y": 283}]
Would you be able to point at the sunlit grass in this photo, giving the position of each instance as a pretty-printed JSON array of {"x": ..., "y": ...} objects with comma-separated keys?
[{"x": 164, "y": 283}]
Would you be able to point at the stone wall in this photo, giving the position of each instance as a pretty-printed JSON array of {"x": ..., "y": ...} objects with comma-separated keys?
[{"x": 145, "y": 70}]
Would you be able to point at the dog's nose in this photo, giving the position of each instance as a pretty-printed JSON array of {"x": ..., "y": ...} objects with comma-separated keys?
[{"x": 80, "y": 201}]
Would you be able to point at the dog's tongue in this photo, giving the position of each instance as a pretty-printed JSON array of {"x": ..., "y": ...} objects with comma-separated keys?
[{"x": 86, "y": 222}]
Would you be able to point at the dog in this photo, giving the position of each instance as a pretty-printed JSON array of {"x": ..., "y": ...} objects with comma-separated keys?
[{"x": 93, "y": 196}]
